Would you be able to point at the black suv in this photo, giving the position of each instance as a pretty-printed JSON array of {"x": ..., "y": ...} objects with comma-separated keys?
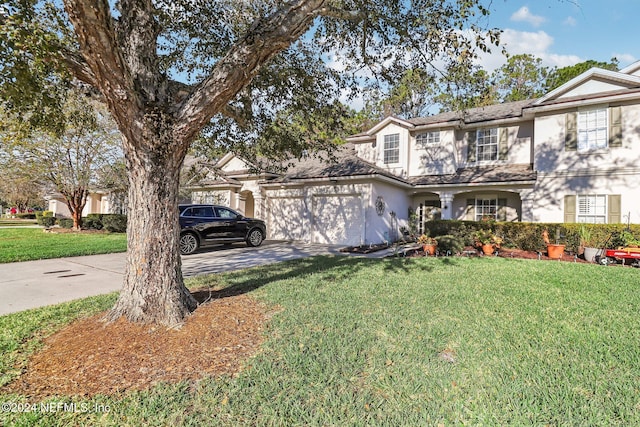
[{"x": 202, "y": 225}]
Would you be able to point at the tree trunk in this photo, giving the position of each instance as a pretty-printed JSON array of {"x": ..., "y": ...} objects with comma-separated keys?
[
  {"x": 75, "y": 202},
  {"x": 153, "y": 289}
]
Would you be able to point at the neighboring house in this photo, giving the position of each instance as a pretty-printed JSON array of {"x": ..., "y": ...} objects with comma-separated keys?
[
  {"x": 572, "y": 155},
  {"x": 98, "y": 202}
]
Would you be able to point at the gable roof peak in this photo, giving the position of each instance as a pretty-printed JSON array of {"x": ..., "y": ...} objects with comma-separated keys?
[
  {"x": 631, "y": 68},
  {"x": 595, "y": 72},
  {"x": 387, "y": 120}
]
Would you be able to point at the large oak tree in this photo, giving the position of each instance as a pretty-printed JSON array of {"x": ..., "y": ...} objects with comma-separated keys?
[{"x": 229, "y": 70}]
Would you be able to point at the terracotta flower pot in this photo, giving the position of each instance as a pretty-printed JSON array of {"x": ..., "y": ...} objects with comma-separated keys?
[
  {"x": 429, "y": 249},
  {"x": 487, "y": 249},
  {"x": 555, "y": 251}
]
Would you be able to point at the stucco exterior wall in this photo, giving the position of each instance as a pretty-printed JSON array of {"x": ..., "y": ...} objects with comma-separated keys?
[
  {"x": 400, "y": 168},
  {"x": 215, "y": 197},
  {"x": 550, "y": 155},
  {"x": 384, "y": 227},
  {"x": 434, "y": 158},
  {"x": 367, "y": 151},
  {"x": 589, "y": 87},
  {"x": 610, "y": 171}
]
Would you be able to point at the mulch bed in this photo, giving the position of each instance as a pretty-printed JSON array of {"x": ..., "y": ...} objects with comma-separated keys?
[
  {"x": 364, "y": 249},
  {"x": 91, "y": 357},
  {"x": 513, "y": 253}
]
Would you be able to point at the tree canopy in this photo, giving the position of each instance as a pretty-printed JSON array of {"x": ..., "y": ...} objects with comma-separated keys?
[
  {"x": 558, "y": 76},
  {"x": 79, "y": 158}
]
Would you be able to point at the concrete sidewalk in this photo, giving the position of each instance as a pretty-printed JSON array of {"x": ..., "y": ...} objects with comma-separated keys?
[{"x": 32, "y": 284}]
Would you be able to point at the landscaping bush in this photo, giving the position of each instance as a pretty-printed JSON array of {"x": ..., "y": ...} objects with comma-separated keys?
[
  {"x": 40, "y": 215},
  {"x": 92, "y": 222},
  {"x": 528, "y": 236},
  {"x": 65, "y": 222},
  {"x": 26, "y": 216},
  {"x": 116, "y": 223},
  {"x": 450, "y": 243}
]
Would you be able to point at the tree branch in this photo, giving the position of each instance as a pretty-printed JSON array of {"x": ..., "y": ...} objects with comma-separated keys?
[
  {"x": 266, "y": 38},
  {"x": 103, "y": 55},
  {"x": 348, "y": 15}
]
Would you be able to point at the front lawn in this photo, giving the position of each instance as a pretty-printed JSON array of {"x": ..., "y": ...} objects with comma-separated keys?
[
  {"x": 25, "y": 244},
  {"x": 424, "y": 341},
  {"x": 8, "y": 222}
]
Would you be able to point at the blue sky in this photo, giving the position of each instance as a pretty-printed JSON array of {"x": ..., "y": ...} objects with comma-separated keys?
[{"x": 565, "y": 32}]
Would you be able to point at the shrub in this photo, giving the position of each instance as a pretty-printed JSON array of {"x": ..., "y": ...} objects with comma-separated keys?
[
  {"x": 92, "y": 222},
  {"x": 116, "y": 223},
  {"x": 43, "y": 214},
  {"x": 450, "y": 243},
  {"x": 528, "y": 236},
  {"x": 47, "y": 221},
  {"x": 26, "y": 216},
  {"x": 65, "y": 222}
]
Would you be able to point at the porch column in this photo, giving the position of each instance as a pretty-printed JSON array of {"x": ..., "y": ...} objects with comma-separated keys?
[
  {"x": 526, "y": 200},
  {"x": 446, "y": 201}
]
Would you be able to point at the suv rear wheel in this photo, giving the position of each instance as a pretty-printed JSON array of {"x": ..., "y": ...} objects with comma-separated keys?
[
  {"x": 255, "y": 237},
  {"x": 188, "y": 243}
]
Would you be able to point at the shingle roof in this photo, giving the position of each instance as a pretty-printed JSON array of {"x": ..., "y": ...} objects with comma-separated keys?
[
  {"x": 480, "y": 175},
  {"x": 479, "y": 114},
  {"x": 344, "y": 163}
]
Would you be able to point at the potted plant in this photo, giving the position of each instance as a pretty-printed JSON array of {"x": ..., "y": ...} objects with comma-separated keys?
[
  {"x": 554, "y": 250},
  {"x": 428, "y": 244},
  {"x": 486, "y": 240},
  {"x": 591, "y": 245}
]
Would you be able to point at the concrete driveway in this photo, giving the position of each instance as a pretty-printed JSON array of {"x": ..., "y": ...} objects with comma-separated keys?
[{"x": 31, "y": 284}]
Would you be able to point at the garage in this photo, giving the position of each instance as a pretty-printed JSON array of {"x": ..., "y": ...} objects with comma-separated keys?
[
  {"x": 285, "y": 218},
  {"x": 337, "y": 219}
]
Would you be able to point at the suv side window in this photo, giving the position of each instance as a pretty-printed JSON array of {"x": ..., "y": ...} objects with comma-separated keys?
[
  {"x": 199, "y": 212},
  {"x": 226, "y": 213}
]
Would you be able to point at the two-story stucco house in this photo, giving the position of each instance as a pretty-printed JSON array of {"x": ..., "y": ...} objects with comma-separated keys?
[{"x": 572, "y": 155}]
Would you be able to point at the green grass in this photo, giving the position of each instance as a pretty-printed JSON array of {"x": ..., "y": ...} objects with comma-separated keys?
[
  {"x": 17, "y": 222},
  {"x": 25, "y": 244},
  {"x": 359, "y": 342}
]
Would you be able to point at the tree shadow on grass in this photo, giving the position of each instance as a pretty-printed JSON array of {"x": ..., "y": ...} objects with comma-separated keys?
[{"x": 333, "y": 267}]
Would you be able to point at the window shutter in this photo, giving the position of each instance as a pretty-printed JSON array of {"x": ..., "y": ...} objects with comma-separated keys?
[
  {"x": 502, "y": 210},
  {"x": 471, "y": 210},
  {"x": 471, "y": 146},
  {"x": 615, "y": 127},
  {"x": 571, "y": 132},
  {"x": 570, "y": 208},
  {"x": 503, "y": 144},
  {"x": 614, "y": 207}
]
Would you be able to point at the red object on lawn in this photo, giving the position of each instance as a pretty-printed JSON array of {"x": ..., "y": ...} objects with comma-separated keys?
[{"x": 611, "y": 255}]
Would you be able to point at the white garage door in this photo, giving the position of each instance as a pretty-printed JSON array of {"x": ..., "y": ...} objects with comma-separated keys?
[
  {"x": 285, "y": 218},
  {"x": 337, "y": 219}
]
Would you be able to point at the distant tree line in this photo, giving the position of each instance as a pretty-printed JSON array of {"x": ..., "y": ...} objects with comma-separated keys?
[{"x": 419, "y": 93}]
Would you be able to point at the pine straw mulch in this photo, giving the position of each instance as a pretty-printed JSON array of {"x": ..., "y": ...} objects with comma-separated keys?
[{"x": 90, "y": 357}]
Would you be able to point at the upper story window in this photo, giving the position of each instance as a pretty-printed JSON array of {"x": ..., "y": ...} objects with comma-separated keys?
[
  {"x": 392, "y": 148},
  {"x": 487, "y": 144},
  {"x": 592, "y": 129},
  {"x": 426, "y": 138}
]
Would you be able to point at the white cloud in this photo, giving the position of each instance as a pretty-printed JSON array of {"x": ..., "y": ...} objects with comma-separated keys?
[
  {"x": 524, "y": 15},
  {"x": 624, "y": 59},
  {"x": 537, "y": 43},
  {"x": 570, "y": 21}
]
